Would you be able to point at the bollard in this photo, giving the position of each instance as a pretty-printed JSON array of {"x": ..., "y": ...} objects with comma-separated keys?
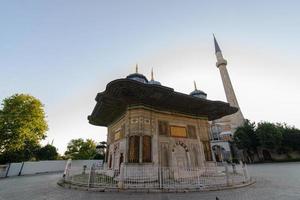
[
  {"x": 67, "y": 169},
  {"x": 234, "y": 168},
  {"x": 84, "y": 169},
  {"x": 245, "y": 173}
]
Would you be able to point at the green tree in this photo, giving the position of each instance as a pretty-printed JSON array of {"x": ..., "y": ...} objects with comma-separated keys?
[
  {"x": 26, "y": 153},
  {"x": 269, "y": 135},
  {"x": 80, "y": 149},
  {"x": 101, "y": 150},
  {"x": 47, "y": 152},
  {"x": 290, "y": 138},
  {"x": 22, "y": 125},
  {"x": 245, "y": 136}
]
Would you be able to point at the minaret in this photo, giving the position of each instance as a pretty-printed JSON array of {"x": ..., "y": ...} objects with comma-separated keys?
[{"x": 236, "y": 119}]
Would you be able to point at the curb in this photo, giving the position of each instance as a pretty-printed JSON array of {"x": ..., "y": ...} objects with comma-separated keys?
[{"x": 67, "y": 185}]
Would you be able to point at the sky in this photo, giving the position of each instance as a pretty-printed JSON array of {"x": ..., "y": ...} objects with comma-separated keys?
[{"x": 65, "y": 52}]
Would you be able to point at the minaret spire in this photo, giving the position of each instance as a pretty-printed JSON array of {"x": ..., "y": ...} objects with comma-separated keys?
[
  {"x": 218, "y": 52},
  {"x": 217, "y": 47}
]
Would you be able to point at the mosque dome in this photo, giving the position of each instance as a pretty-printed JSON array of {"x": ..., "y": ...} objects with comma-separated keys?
[
  {"x": 137, "y": 76},
  {"x": 198, "y": 93}
]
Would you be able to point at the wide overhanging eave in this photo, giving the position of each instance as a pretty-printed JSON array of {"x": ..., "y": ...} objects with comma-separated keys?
[{"x": 121, "y": 93}]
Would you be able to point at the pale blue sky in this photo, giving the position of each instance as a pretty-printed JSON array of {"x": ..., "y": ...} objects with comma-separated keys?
[{"x": 64, "y": 52}]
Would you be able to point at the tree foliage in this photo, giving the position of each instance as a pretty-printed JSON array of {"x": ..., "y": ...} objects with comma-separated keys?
[
  {"x": 290, "y": 138},
  {"x": 80, "y": 149},
  {"x": 269, "y": 134},
  {"x": 24, "y": 154},
  {"x": 22, "y": 126},
  {"x": 22, "y": 120},
  {"x": 47, "y": 152},
  {"x": 245, "y": 136},
  {"x": 275, "y": 136}
]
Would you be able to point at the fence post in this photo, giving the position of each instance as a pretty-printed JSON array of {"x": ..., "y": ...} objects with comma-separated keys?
[
  {"x": 160, "y": 176},
  {"x": 121, "y": 177},
  {"x": 227, "y": 174},
  {"x": 7, "y": 170},
  {"x": 20, "y": 172},
  {"x": 198, "y": 180},
  {"x": 245, "y": 172}
]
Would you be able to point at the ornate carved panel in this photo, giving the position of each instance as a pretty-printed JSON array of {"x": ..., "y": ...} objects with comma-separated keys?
[
  {"x": 178, "y": 131},
  {"x": 117, "y": 135},
  {"x": 134, "y": 121},
  {"x": 163, "y": 128},
  {"x": 192, "y": 131},
  {"x": 120, "y": 133},
  {"x": 147, "y": 121},
  {"x": 204, "y": 132}
]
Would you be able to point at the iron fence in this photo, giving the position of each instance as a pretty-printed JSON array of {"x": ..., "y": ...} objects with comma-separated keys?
[{"x": 212, "y": 176}]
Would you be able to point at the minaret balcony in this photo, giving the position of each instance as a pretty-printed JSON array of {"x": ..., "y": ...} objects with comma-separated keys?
[{"x": 221, "y": 62}]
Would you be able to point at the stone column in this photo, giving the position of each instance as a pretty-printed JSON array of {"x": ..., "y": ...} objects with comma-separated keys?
[
  {"x": 189, "y": 163},
  {"x": 141, "y": 149},
  {"x": 173, "y": 161}
]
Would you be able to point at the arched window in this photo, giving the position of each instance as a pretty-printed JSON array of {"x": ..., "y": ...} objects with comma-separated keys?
[
  {"x": 147, "y": 150},
  {"x": 134, "y": 148}
]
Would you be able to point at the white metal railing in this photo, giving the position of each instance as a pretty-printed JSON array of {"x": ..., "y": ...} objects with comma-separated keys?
[{"x": 212, "y": 176}]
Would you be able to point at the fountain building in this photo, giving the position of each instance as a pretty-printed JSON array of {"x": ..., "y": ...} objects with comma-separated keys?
[{"x": 152, "y": 125}]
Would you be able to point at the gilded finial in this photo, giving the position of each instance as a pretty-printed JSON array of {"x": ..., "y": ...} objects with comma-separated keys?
[
  {"x": 152, "y": 77},
  {"x": 195, "y": 85},
  {"x": 136, "y": 68}
]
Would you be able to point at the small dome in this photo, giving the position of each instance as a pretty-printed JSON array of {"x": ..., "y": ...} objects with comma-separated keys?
[
  {"x": 198, "y": 93},
  {"x": 153, "y": 82},
  {"x": 138, "y": 77}
]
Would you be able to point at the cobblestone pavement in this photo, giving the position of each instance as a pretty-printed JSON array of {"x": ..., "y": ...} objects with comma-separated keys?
[{"x": 274, "y": 181}]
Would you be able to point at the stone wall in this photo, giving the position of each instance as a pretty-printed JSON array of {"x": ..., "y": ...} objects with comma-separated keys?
[
  {"x": 46, "y": 166},
  {"x": 143, "y": 121}
]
